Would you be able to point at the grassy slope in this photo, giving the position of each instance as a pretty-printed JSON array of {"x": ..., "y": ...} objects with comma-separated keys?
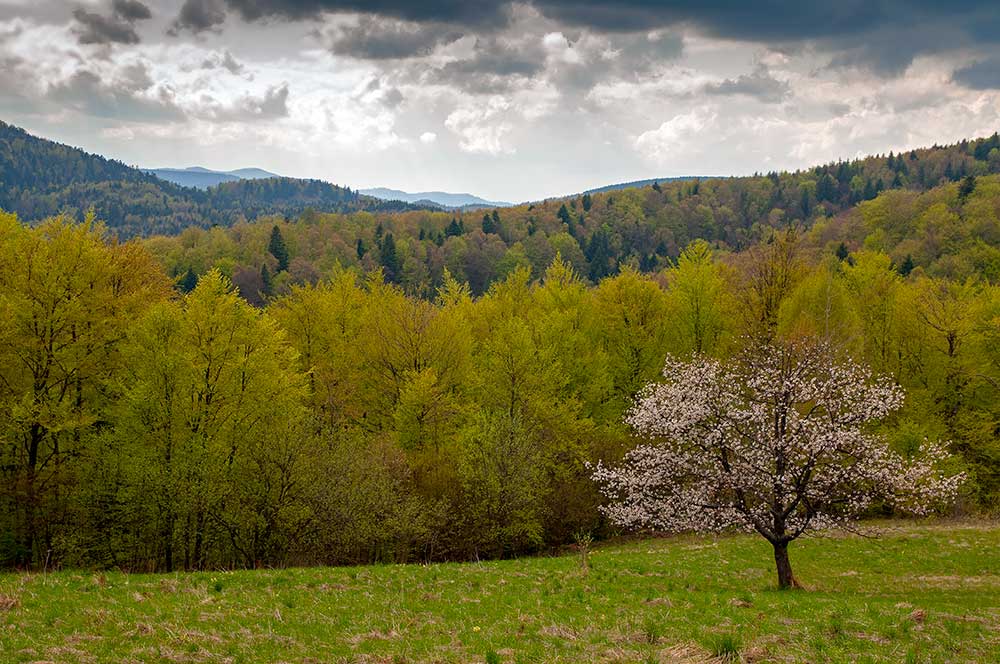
[{"x": 920, "y": 593}]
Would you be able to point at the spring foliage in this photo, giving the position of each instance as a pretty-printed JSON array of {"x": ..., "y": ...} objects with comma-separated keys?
[{"x": 350, "y": 420}]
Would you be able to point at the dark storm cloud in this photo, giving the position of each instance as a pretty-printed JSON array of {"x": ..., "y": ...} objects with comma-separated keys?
[
  {"x": 982, "y": 75},
  {"x": 881, "y": 35},
  {"x": 130, "y": 10},
  {"x": 638, "y": 54},
  {"x": 467, "y": 12},
  {"x": 759, "y": 85},
  {"x": 373, "y": 38},
  {"x": 97, "y": 29},
  {"x": 117, "y": 28},
  {"x": 494, "y": 66},
  {"x": 767, "y": 20},
  {"x": 199, "y": 16}
]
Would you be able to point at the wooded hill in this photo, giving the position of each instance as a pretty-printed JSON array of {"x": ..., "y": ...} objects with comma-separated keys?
[
  {"x": 41, "y": 178},
  {"x": 429, "y": 386},
  {"x": 934, "y": 208}
]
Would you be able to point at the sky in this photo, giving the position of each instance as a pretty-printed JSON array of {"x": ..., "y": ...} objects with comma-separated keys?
[{"x": 507, "y": 100}]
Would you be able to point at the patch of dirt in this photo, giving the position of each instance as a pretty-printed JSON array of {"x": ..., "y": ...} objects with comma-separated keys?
[
  {"x": 374, "y": 635},
  {"x": 559, "y": 632},
  {"x": 952, "y": 580}
]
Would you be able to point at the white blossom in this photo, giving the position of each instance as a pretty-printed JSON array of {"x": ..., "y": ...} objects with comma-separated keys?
[{"x": 779, "y": 442}]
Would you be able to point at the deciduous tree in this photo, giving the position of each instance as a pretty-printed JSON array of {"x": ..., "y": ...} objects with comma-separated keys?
[{"x": 777, "y": 442}]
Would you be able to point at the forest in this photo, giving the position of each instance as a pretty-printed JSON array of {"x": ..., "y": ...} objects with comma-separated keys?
[
  {"x": 934, "y": 209},
  {"x": 421, "y": 386},
  {"x": 41, "y": 178}
]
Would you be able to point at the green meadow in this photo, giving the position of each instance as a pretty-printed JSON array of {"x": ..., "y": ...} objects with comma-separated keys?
[{"x": 919, "y": 592}]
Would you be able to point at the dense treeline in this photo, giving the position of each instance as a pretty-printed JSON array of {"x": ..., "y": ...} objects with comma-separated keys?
[
  {"x": 350, "y": 421},
  {"x": 940, "y": 199},
  {"x": 40, "y": 178}
]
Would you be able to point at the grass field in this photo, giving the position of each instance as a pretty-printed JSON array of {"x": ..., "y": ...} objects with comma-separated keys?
[{"x": 920, "y": 593}]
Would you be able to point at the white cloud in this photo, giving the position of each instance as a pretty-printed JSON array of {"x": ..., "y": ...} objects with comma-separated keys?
[
  {"x": 676, "y": 136},
  {"x": 428, "y": 137},
  {"x": 482, "y": 128}
]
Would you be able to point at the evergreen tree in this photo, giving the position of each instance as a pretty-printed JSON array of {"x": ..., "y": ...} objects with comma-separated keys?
[
  {"x": 390, "y": 261},
  {"x": 967, "y": 187},
  {"x": 453, "y": 229},
  {"x": 488, "y": 226},
  {"x": 599, "y": 254},
  {"x": 826, "y": 188},
  {"x": 188, "y": 281},
  {"x": 869, "y": 191},
  {"x": 842, "y": 252},
  {"x": 907, "y": 266},
  {"x": 277, "y": 248},
  {"x": 360, "y": 248},
  {"x": 266, "y": 286},
  {"x": 563, "y": 215},
  {"x": 587, "y": 202}
]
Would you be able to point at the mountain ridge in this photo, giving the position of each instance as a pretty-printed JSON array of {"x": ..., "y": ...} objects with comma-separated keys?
[
  {"x": 443, "y": 198},
  {"x": 40, "y": 178},
  {"x": 203, "y": 178}
]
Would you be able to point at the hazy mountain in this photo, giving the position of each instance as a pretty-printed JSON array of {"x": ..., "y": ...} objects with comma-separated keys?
[
  {"x": 203, "y": 178},
  {"x": 442, "y": 198}
]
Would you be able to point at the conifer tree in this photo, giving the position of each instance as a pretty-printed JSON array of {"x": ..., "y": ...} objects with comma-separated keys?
[
  {"x": 266, "y": 286},
  {"x": 390, "y": 260},
  {"x": 188, "y": 281},
  {"x": 563, "y": 215},
  {"x": 277, "y": 248}
]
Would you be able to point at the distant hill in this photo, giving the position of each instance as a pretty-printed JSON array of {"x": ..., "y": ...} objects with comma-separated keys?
[
  {"x": 441, "y": 198},
  {"x": 203, "y": 178},
  {"x": 643, "y": 183},
  {"x": 40, "y": 178}
]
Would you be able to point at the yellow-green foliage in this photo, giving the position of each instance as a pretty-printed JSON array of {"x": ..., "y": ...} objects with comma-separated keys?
[{"x": 353, "y": 420}]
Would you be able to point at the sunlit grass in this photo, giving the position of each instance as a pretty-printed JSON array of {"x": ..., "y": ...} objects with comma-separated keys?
[{"x": 921, "y": 593}]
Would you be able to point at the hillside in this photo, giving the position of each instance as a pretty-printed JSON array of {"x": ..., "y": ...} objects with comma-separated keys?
[
  {"x": 911, "y": 206},
  {"x": 641, "y": 183},
  {"x": 41, "y": 178}
]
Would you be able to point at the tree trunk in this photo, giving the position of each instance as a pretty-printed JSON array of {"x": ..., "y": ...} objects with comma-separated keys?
[{"x": 786, "y": 579}]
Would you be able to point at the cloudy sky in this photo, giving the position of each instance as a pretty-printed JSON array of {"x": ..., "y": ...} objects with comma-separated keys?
[{"x": 510, "y": 101}]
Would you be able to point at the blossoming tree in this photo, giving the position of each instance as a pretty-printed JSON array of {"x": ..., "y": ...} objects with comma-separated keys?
[{"x": 777, "y": 442}]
